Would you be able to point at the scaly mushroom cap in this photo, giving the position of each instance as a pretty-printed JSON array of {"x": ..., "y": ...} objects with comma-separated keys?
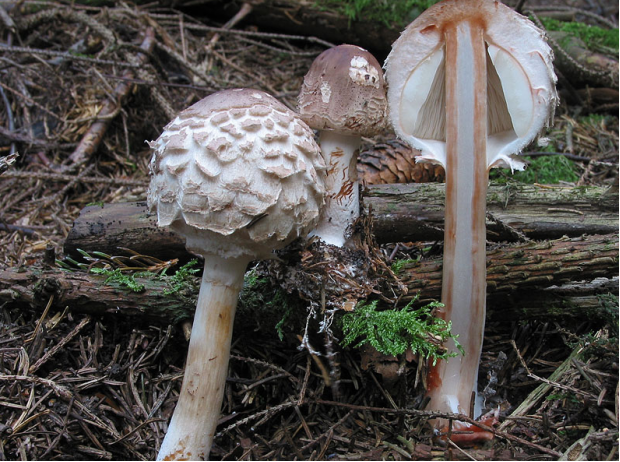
[
  {"x": 521, "y": 81},
  {"x": 344, "y": 91},
  {"x": 237, "y": 173}
]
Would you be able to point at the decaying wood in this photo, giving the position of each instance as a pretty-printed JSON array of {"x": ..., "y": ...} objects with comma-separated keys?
[
  {"x": 305, "y": 17},
  {"x": 415, "y": 211},
  {"x": 510, "y": 270},
  {"x": 562, "y": 302},
  {"x": 579, "y": 64},
  {"x": 402, "y": 212}
]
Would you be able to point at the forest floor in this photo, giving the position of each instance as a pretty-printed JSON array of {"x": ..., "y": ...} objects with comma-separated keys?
[{"x": 80, "y": 386}]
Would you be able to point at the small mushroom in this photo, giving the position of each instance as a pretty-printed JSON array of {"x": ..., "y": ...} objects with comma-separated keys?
[
  {"x": 239, "y": 175},
  {"x": 471, "y": 83},
  {"x": 343, "y": 96}
]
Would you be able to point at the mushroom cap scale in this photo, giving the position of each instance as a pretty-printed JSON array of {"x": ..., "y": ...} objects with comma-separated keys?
[
  {"x": 344, "y": 91},
  {"x": 521, "y": 81},
  {"x": 238, "y": 174}
]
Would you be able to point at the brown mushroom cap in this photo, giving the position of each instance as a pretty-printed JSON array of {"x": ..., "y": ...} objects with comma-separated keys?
[
  {"x": 237, "y": 173},
  {"x": 344, "y": 91}
]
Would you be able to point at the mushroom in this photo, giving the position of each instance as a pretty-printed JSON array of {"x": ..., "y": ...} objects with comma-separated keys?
[
  {"x": 471, "y": 83},
  {"x": 342, "y": 96},
  {"x": 239, "y": 175}
]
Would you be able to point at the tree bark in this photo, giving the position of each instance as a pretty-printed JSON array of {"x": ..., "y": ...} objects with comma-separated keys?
[
  {"x": 402, "y": 212},
  {"x": 521, "y": 280},
  {"x": 412, "y": 212}
]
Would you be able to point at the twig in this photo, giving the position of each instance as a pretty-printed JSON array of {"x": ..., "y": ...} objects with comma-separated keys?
[
  {"x": 31, "y": 141},
  {"x": 64, "y": 393},
  {"x": 571, "y": 9},
  {"x": 9, "y": 115},
  {"x": 267, "y": 35},
  {"x": 68, "y": 14},
  {"x": 70, "y": 178},
  {"x": 266, "y": 414},
  {"x": 91, "y": 140},
  {"x": 549, "y": 382},
  {"x": 52, "y": 351},
  {"x": 265, "y": 364},
  {"x": 455, "y": 446},
  {"x": 7, "y": 161},
  {"x": 28, "y": 231},
  {"x": 565, "y": 154},
  {"x": 245, "y": 9},
  {"x": 330, "y": 429},
  {"x": 432, "y": 415},
  {"x": 65, "y": 55}
]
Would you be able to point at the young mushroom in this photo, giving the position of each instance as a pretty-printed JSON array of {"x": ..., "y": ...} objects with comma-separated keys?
[
  {"x": 471, "y": 83},
  {"x": 239, "y": 175},
  {"x": 342, "y": 96}
]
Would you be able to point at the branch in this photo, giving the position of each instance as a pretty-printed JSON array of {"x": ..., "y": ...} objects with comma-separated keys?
[
  {"x": 519, "y": 277},
  {"x": 401, "y": 212},
  {"x": 109, "y": 109}
]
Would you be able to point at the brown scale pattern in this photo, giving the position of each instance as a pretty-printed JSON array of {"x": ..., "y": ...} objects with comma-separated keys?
[{"x": 393, "y": 161}]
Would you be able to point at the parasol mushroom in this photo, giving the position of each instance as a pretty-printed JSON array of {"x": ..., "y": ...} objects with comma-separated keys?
[
  {"x": 239, "y": 175},
  {"x": 343, "y": 96},
  {"x": 471, "y": 83}
]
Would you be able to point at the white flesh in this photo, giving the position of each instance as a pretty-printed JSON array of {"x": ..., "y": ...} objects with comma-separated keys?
[
  {"x": 342, "y": 200},
  {"x": 453, "y": 382},
  {"x": 195, "y": 417}
]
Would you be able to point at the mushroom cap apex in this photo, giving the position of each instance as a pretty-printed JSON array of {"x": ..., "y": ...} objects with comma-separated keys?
[{"x": 344, "y": 91}]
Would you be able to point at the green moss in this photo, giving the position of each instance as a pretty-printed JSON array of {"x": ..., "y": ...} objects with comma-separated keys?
[
  {"x": 118, "y": 278},
  {"x": 394, "y": 14},
  {"x": 545, "y": 169},
  {"x": 398, "y": 265},
  {"x": 392, "y": 332},
  {"x": 595, "y": 38},
  {"x": 182, "y": 278},
  {"x": 265, "y": 304}
]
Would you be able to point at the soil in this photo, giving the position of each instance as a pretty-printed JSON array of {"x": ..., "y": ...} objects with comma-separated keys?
[{"x": 75, "y": 386}]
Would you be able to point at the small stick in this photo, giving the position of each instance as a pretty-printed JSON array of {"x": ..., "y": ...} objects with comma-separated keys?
[
  {"x": 71, "y": 178},
  {"x": 245, "y": 9},
  {"x": 93, "y": 137},
  {"x": 52, "y": 351}
]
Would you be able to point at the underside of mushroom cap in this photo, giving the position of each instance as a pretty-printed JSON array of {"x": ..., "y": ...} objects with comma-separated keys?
[
  {"x": 344, "y": 91},
  {"x": 237, "y": 173},
  {"x": 520, "y": 80}
]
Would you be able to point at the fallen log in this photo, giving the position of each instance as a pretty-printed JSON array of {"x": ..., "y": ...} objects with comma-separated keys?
[
  {"x": 402, "y": 213},
  {"x": 303, "y": 17},
  {"x": 515, "y": 272}
]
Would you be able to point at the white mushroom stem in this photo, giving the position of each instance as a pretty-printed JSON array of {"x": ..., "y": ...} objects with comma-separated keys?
[
  {"x": 342, "y": 202},
  {"x": 453, "y": 383},
  {"x": 197, "y": 412}
]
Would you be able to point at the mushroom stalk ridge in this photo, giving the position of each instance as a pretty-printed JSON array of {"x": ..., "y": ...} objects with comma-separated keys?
[
  {"x": 453, "y": 382},
  {"x": 471, "y": 84},
  {"x": 342, "y": 202},
  {"x": 206, "y": 367}
]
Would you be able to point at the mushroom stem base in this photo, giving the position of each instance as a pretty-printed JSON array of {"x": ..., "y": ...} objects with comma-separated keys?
[{"x": 195, "y": 417}]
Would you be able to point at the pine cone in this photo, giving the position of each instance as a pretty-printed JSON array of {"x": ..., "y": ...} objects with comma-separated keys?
[{"x": 393, "y": 161}]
